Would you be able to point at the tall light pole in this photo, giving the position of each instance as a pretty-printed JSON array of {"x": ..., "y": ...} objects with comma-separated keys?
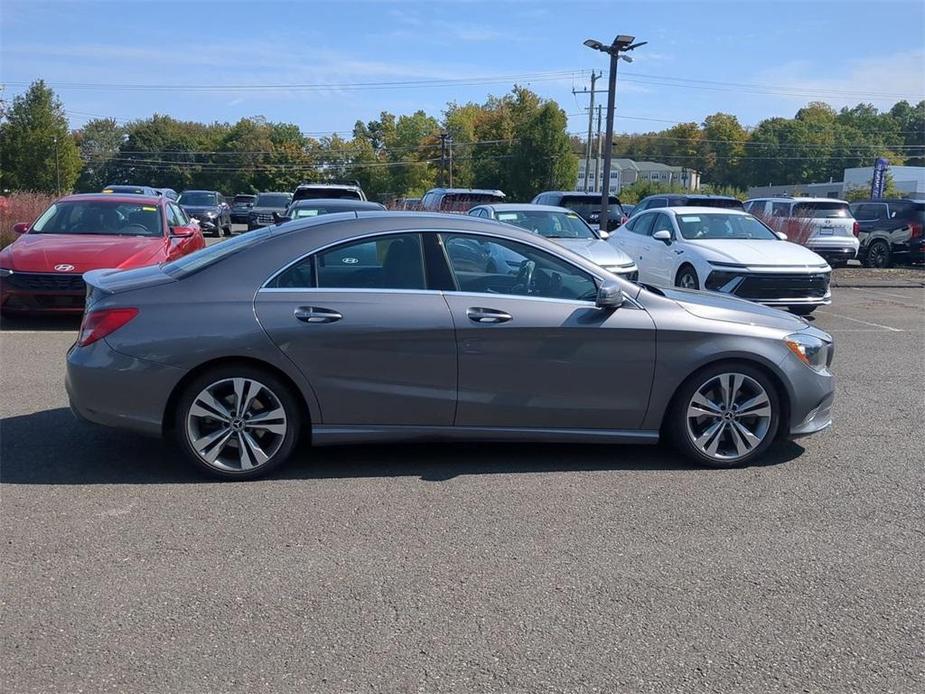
[{"x": 617, "y": 51}]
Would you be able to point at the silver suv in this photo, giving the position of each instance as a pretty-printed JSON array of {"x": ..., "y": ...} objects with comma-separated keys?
[{"x": 824, "y": 225}]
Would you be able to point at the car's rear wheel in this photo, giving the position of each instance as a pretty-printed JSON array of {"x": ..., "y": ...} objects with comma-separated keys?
[
  {"x": 725, "y": 415},
  {"x": 237, "y": 422},
  {"x": 687, "y": 278},
  {"x": 878, "y": 255}
]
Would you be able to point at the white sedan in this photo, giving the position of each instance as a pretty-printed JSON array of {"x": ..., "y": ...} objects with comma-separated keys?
[{"x": 724, "y": 251}]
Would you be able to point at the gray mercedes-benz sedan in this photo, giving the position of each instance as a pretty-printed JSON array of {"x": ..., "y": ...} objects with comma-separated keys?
[{"x": 375, "y": 326}]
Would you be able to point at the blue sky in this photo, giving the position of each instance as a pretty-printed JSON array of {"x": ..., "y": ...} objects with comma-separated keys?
[{"x": 754, "y": 59}]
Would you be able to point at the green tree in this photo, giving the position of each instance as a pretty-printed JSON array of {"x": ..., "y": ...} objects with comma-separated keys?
[
  {"x": 98, "y": 141},
  {"x": 724, "y": 147},
  {"x": 542, "y": 157},
  {"x": 37, "y": 149}
]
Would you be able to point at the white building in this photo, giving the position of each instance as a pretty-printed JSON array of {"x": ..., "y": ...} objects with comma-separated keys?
[
  {"x": 626, "y": 172},
  {"x": 909, "y": 181}
]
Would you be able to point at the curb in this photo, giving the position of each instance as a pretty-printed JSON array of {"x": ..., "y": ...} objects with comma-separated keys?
[{"x": 893, "y": 285}]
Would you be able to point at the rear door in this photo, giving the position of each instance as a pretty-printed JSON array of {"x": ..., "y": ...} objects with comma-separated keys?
[
  {"x": 534, "y": 350},
  {"x": 377, "y": 346}
]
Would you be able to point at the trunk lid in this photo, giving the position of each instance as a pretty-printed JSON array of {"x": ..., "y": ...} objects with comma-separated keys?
[{"x": 101, "y": 283}]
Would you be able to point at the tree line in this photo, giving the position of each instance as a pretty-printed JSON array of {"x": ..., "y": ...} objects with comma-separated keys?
[{"x": 517, "y": 142}]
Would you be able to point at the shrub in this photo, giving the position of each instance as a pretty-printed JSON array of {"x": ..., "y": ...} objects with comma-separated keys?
[{"x": 20, "y": 207}]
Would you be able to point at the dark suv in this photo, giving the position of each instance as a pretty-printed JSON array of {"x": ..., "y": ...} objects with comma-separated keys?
[
  {"x": 209, "y": 208},
  {"x": 684, "y": 200},
  {"x": 267, "y": 207},
  {"x": 585, "y": 205},
  {"x": 241, "y": 207},
  {"x": 890, "y": 231}
]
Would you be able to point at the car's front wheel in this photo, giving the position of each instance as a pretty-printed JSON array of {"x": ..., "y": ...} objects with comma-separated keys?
[
  {"x": 725, "y": 415},
  {"x": 237, "y": 422},
  {"x": 687, "y": 278}
]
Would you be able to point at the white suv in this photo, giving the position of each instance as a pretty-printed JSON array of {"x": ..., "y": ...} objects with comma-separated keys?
[{"x": 824, "y": 225}]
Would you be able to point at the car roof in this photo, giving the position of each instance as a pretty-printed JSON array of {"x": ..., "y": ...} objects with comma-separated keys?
[
  {"x": 480, "y": 191},
  {"x": 523, "y": 206},
  {"x": 122, "y": 197},
  {"x": 339, "y": 202},
  {"x": 275, "y": 192},
  {"x": 328, "y": 185},
  {"x": 695, "y": 209},
  {"x": 691, "y": 196},
  {"x": 794, "y": 198},
  {"x": 200, "y": 191}
]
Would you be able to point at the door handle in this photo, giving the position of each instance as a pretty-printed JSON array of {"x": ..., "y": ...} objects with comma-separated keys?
[
  {"x": 487, "y": 315},
  {"x": 314, "y": 314}
]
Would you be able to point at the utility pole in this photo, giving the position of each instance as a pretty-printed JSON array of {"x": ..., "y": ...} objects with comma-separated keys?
[
  {"x": 594, "y": 78},
  {"x": 57, "y": 170},
  {"x": 617, "y": 51},
  {"x": 443, "y": 137},
  {"x": 597, "y": 161},
  {"x": 449, "y": 150}
]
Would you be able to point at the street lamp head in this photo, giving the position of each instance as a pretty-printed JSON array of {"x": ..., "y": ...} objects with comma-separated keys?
[
  {"x": 623, "y": 40},
  {"x": 627, "y": 58},
  {"x": 595, "y": 44}
]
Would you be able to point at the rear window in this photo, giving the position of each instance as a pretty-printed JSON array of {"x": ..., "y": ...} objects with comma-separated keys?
[
  {"x": 328, "y": 193},
  {"x": 589, "y": 206},
  {"x": 244, "y": 198},
  {"x": 203, "y": 258},
  {"x": 462, "y": 202},
  {"x": 821, "y": 210},
  {"x": 272, "y": 200},
  {"x": 718, "y": 202}
]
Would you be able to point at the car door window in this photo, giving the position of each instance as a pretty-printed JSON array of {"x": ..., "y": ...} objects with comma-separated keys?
[
  {"x": 489, "y": 265},
  {"x": 176, "y": 217},
  {"x": 661, "y": 222},
  {"x": 391, "y": 262},
  {"x": 658, "y": 202},
  {"x": 780, "y": 209},
  {"x": 643, "y": 224}
]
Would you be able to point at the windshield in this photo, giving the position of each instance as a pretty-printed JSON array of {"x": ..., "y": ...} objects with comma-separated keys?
[
  {"x": 706, "y": 227},
  {"x": 101, "y": 217},
  {"x": 188, "y": 264},
  {"x": 552, "y": 225},
  {"x": 821, "y": 210},
  {"x": 241, "y": 199},
  {"x": 197, "y": 199},
  {"x": 589, "y": 206},
  {"x": 272, "y": 200}
]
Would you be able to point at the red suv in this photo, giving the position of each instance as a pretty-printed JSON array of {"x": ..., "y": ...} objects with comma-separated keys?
[{"x": 42, "y": 270}]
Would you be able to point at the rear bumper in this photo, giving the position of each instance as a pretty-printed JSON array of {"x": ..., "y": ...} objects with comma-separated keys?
[
  {"x": 835, "y": 249},
  {"x": 113, "y": 389}
]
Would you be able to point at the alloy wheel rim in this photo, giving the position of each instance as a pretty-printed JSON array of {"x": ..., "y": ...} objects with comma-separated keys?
[
  {"x": 729, "y": 416},
  {"x": 878, "y": 255},
  {"x": 688, "y": 281},
  {"x": 236, "y": 424}
]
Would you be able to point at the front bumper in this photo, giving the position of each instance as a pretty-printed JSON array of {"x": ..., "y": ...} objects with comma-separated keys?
[
  {"x": 811, "y": 395},
  {"x": 113, "y": 389},
  {"x": 781, "y": 288},
  {"x": 208, "y": 223},
  {"x": 45, "y": 293}
]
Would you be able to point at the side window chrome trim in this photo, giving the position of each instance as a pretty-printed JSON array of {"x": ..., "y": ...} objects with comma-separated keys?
[{"x": 343, "y": 290}]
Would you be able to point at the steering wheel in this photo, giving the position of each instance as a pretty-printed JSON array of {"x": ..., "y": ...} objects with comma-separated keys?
[
  {"x": 525, "y": 277},
  {"x": 135, "y": 224}
]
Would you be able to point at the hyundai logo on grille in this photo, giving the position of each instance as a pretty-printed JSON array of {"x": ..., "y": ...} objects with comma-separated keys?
[{"x": 64, "y": 268}]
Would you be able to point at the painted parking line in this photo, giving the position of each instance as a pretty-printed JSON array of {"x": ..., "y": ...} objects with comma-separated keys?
[
  {"x": 862, "y": 322},
  {"x": 5, "y": 333},
  {"x": 878, "y": 293}
]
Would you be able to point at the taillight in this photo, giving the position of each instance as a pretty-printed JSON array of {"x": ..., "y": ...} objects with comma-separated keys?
[
  {"x": 916, "y": 230},
  {"x": 856, "y": 229},
  {"x": 98, "y": 324}
]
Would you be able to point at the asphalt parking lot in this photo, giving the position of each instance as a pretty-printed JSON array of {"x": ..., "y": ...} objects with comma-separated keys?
[{"x": 464, "y": 568}]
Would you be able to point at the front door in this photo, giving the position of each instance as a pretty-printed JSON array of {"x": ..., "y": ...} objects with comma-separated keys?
[
  {"x": 534, "y": 350},
  {"x": 376, "y": 346}
]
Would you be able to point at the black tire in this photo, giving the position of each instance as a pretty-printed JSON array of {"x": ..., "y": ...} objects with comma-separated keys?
[
  {"x": 687, "y": 278},
  {"x": 283, "y": 444},
  {"x": 677, "y": 420},
  {"x": 802, "y": 310},
  {"x": 878, "y": 255}
]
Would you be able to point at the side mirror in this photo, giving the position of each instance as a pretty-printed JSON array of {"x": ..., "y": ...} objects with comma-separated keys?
[
  {"x": 181, "y": 232},
  {"x": 781, "y": 235},
  {"x": 610, "y": 295},
  {"x": 280, "y": 218},
  {"x": 662, "y": 235},
  {"x": 20, "y": 228}
]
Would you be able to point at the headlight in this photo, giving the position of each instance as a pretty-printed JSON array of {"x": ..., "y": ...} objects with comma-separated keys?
[
  {"x": 4, "y": 272},
  {"x": 810, "y": 350},
  {"x": 211, "y": 215}
]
